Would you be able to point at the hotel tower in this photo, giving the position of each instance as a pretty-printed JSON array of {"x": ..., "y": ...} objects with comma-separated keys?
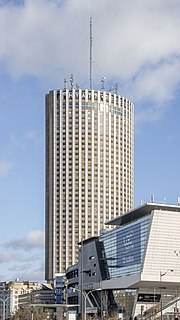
[{"x": 89, "y": 168}]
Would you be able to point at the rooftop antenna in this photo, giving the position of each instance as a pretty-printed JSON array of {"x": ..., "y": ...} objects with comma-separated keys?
[
  {"x": 152, "y": 198},
  {"x": 91, "y": 39},
  {"x": 116, "y": 88},
  {"x": 102, "y": 83},
  {"x": 72, "y": 81},
  {"x": 65, "y": 83},
  {"x": 178, "y": 201}
]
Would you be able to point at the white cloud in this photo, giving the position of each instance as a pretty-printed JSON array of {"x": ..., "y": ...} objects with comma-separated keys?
[
  {"x": 158, "y": 82},
  {"x": 23, "y": 258},
  {"x": 19, "y": 142},
  {"x": 134, "y": 42},
  {"x": 19, "y": 267},
  {"x": 33, "y": 240},
  {"x": 156, "y": 87},
  {"x": 8, "y": 257},
  {"x": 5, "y": 168},
  {"x": 35, "y": 274},
  {"x": 28, "y": 272},
  {"x": 33, "y": 136},
  {"x": 30, "y": 258}
]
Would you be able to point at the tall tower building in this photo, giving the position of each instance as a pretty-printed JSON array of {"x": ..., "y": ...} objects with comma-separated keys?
[{"x": 89, "y": 168}]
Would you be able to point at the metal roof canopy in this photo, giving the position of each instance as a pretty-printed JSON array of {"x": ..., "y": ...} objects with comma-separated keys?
[
  {"x": 140, "y": 212},
  {"x": 54, "y": 305}
]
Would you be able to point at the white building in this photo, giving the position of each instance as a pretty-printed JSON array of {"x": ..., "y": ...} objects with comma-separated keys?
[
  {"x": 10, "y": 295},
  {"x": 89, "y": 168}
]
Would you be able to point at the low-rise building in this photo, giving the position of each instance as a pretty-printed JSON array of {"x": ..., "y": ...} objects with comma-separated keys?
[{"x": 16, "y": 294}]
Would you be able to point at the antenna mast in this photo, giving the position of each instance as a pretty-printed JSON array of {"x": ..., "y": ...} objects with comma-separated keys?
[{"x": 91, "y": 39}]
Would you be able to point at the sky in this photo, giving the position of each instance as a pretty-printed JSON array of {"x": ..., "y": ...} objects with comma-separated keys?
[{"x": 135, "y": 44}]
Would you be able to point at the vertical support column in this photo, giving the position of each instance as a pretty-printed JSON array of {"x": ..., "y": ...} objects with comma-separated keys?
[
  {"x": 86, "y": 166},
  {"x": 114, "y": 145},
  {"x": 92, "y": 162},
  {"x": 80, "y": 166},
  {"x": 98, "y": 111},
  {"x": 67, "y": 179},
  {"x": 119, "y": 157},
  {"x": 54, "y": 178},
  {"x": 122, "y": 155},
  {"x": 73, "y": 177},
  {"x": 60, "y": 177},
  {"x": 110, "y": 116},
  {"x": 104, "y": 158}
]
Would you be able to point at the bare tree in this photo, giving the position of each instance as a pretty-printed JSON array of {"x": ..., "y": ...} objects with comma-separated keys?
[{"x": 26, "y": 314}]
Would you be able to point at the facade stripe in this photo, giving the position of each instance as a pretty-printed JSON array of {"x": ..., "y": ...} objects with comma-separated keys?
[{"x": 90, "y": 158}]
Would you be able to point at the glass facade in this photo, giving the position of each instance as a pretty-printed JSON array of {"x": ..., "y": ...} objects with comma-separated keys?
[{"x": 124, "y": 247}]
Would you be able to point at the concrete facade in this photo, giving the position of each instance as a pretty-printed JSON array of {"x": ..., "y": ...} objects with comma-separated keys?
[
  {"x": 89, "y": 169},
  {"x": 17, "y": 294}
]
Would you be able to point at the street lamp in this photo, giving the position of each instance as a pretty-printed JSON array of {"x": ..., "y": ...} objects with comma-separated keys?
[
  {"x": 4, "y": 307},
  {"x": 82, "y": 295},
  {"x": 162, "y": 274},
  {"x": 85, "y": 295}
]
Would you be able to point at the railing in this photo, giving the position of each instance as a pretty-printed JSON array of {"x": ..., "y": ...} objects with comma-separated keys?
[{"x": 168, "y": 308}]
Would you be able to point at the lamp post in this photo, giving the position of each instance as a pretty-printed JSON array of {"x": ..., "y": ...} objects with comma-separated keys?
[
  {"x": 162, "y": 274},
  {"x": 4, "y": 307},
  {"x": 85, "y": 295},
  {"x": 101, "y": 301},
  {"x": 82, "y": 256},
  {"x": 82, "y": 295}
]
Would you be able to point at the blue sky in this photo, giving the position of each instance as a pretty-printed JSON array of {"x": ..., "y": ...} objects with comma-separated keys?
[{"x": 135, "y": 43}]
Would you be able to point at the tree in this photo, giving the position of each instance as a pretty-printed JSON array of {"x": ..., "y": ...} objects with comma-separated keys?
[{"x": 26, "y": 314}]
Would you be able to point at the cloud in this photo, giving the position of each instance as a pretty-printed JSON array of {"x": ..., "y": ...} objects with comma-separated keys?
[
  {"x": 14, "y": 143},
  {"x": 34, "y": 240},
  {"x": 33, "y": 275},
  {"x": 33, "y": 136},
  {"x": 153, "y": 96},
  {"x": 28, "y": 271},
  {"x": 8, "y": 257},
  {"x": 35, "y": 34},
  {"x": 19, "y": 142},
  {"x": 147, "y": 85},
  {"x": 19, "y": 267},
  {"x": 134, "y": 42},
  {"x": 24, "y": 258},
  {"x": 31, "y": 258},
  {"x": 5, "y": 168}
]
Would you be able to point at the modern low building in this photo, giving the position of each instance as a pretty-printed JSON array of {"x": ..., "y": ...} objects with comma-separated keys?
[
  {"x": 89, "y": 168},
  {"x": 44, "y": 294},
  {"x": 137, "y": 263},
  {"x": 17, "y": 294}
]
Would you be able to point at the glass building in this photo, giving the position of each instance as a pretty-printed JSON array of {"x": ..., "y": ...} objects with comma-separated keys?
[
  {"x": 142, "y": 255},
  {"x": 124, "y": 248},
  {"x": 89, "y": 168},
  {"x": 135, "y": 265},
  {"x": 141, "y": 243}
]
